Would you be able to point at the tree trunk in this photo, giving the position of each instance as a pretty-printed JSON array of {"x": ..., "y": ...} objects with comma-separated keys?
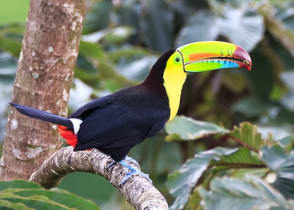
[{"x": 43, "y": 80}]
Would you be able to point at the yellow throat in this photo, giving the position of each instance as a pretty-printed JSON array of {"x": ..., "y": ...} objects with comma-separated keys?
[{"x": 174, "y": 78}]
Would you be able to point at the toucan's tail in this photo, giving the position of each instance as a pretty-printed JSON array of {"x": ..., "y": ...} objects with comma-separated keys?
[
  {"x": 65, "y": 125},
  {"x": 42, "y": 115}
]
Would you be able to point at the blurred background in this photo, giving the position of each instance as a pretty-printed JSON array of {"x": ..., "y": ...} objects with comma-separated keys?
[{"x": 123, "y": 38}]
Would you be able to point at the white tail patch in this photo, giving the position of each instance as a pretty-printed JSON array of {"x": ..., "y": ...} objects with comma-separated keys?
[{"x": 76, "y": 124}]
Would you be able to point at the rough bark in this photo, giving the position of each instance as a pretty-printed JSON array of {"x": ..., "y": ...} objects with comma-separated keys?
[
  {"x": 44, "y": 77},
  {"x": 138, "y": 190}
]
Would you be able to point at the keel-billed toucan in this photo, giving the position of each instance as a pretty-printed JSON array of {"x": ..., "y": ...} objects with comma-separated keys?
[{"x": 117, "y": 122}]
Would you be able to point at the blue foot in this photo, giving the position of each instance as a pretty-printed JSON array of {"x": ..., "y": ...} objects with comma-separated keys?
[
  {"x": 132, "y": 171},
  {"x": 110, "y": 165}
]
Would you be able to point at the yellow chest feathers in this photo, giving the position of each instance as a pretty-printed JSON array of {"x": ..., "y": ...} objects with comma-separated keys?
[{"x": 174, "y": 78}]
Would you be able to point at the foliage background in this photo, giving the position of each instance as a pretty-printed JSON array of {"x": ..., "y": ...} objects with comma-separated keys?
[{"x": 122, "y": 39}]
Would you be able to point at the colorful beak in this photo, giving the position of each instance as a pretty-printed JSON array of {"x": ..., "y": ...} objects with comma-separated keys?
[{"x": 212, "y": 55}]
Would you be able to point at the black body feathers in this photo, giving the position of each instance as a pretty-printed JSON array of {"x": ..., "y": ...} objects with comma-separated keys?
[{"x": 115, "y": 123}]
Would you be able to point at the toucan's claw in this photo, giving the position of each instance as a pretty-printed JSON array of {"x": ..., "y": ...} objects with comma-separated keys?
[
  {"x": 110, "y": 165},
  {"x": 114, "y": 162},
  {"x": 131, "y": 159},
  {"x": 132, "y": 171}
]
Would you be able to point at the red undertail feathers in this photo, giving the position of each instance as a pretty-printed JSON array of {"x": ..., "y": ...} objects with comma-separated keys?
[{"x": 68, "y": 135}]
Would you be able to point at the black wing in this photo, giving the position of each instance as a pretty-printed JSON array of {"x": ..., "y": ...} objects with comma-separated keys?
[
  {"x": 130, "y": 117},
  {"x": 87, "y": 109},
  {"x": 111, "y": 126}
]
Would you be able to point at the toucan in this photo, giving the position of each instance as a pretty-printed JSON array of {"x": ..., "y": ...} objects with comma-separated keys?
[{"x": 117, "y": 122}]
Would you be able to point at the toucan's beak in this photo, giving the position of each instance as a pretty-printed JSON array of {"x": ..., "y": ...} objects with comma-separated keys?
[{"x": 211, "y": 55}]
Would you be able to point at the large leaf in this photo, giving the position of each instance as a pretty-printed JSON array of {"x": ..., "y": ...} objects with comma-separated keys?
[
  {"x": 199, "y": 27},
  {"x": 275, "y": 26},
  {"x": 19, "y": 184},
  {"x": 182, "y": 181},
  {"x": 185, "y": 128},
  {"x": 26, "y": 195},
  {"x": 236, "y": 194},
  {"x": 157, "y": 25},
  {"x": 282, "y": 164},
  {"x": 241, "y": 25}
]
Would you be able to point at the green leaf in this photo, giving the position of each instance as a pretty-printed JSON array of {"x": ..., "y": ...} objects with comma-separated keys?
[
  {"x": 242, "y": 158},
  {"x": 133, "y": 62},
  {"x": 118, "y": 35},
  {"x": 195, "y": 201},
  {"x": 188, "y": 129},
  {"x": 138, "y": 69},
  {"x": 31, "y": 196},
  {"x": 127, "y": 54},
  {"x": 236, "y": 194},
  {"x": 248, "y": 136},
  {"x": 114, "y": 36},
  {"x": 277, "y": 28},
  {"x": 157, "y": 25},
  {"x": 242, "y": 25},
  {"x": 286, "y": 141},
  {"x": 182, "y": 181},
  {"x": 288, "y": 80},
  {"x": 199, "y": 24},
  {"x": 10, "y": 38},
  {"x": 251, "y": 106},
  {"x": 19, "y": 184},
  {"x": 14, "y": 11},
  {"x": 12, "y": 205},
  {"x": 10, "y": 45},
  {"x": 282, "y": 164},
  {"x": 206, "y": 165},
  {"x": 98, "y": 16},
  {"x": 92, "y": 50}
]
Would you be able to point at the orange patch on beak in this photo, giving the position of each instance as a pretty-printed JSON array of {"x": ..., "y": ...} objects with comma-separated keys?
[{"x": 197, "y": 56}]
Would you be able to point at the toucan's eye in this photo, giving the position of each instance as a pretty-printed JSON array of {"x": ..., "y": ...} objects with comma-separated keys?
[{"x": 177, "y": 59}]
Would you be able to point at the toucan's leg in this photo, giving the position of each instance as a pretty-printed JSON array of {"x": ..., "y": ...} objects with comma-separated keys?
[{"x": 132, "y": 171}]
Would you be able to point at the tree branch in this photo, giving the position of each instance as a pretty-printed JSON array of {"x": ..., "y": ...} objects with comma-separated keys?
[{"x": 138, "y": 191}]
